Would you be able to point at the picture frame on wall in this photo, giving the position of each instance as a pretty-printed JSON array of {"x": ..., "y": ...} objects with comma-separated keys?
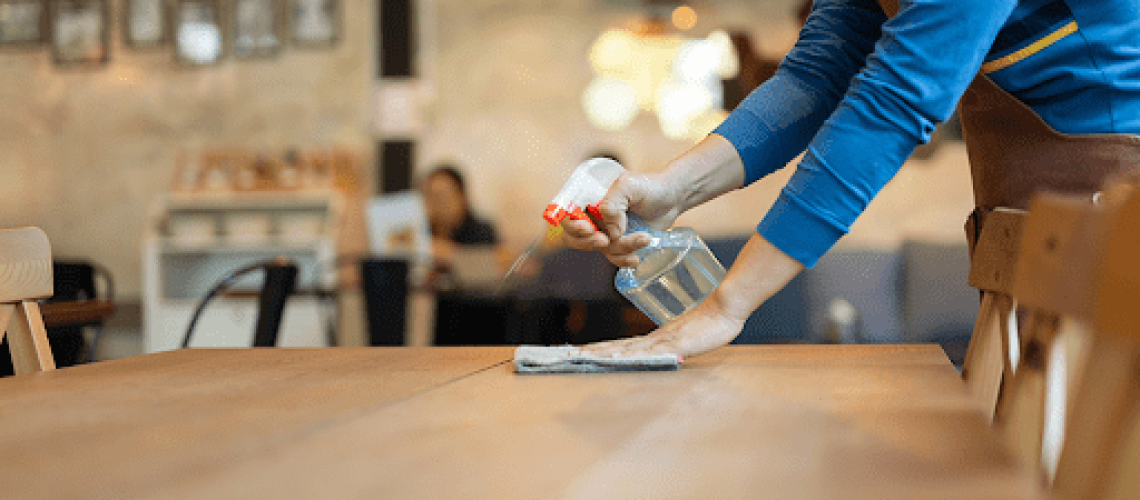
[
  {"x": 79, "y": 32},
  {"x": 197, "y": 31},
  {"x": 257, "y": 27},
  {"x": 146, "y": 23},
  {"x": 314, "y": 23},
  {"x": 22, "y": 23}
]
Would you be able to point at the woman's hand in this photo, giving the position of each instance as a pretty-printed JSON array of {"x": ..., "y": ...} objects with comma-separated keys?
[
  {"x": 703, "y": 328},
  {"x": 650, "y": 197},
  {"x": 710, "y": 169}
]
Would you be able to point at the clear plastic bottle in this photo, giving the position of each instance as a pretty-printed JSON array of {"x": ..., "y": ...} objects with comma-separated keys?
[{"x": 675, "y": 272}]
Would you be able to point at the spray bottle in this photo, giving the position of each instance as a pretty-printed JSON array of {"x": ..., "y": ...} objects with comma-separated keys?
[{"x": 675, "y": 272}]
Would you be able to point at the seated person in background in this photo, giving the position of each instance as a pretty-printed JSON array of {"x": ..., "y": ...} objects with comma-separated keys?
[
  {"x": 454, "y": 226},
  {"x": 452, "y": 221},
  {"x": 457, "y": 235}
]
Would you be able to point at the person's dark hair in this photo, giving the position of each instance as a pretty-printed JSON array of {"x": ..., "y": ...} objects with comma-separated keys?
[{"x": 449, "y": 171}]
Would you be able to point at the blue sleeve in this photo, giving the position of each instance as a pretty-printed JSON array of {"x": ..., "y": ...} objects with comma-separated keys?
[
  {"x": 874, "y": 90},
  {"x": 776, "y": 121}
]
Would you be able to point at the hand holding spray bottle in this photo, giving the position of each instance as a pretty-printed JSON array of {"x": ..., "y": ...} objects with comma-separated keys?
[{"x": 675, "y": 272}]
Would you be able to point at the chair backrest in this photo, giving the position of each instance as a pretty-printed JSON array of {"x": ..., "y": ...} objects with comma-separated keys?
[
  {"x": 1053, "y": 283},
  {"x": 385, "y": 286},
  {"x": 1102, "y": 441},
  {"x": 280, "y": 282},
  {"x": 25, "y": 276}
]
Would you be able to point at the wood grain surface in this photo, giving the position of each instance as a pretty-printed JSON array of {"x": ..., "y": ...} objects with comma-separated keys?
[
  {"x": 743, "y": 422},
  {"x": 134, "y": 428}
]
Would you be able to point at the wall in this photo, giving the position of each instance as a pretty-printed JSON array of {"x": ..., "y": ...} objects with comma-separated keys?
[{"x": 85, "y": 153}]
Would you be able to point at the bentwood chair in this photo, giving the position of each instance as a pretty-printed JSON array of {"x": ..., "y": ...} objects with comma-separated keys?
[{"x": 25, "y": 276}]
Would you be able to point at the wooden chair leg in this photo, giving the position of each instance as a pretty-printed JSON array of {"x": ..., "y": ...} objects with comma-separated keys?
[
  {"x": 1021, "y": 414},
  {"x": 985, "y": 360},
  {"x": 28, "y": 340},
  {"x": 1103, "y": 416}
]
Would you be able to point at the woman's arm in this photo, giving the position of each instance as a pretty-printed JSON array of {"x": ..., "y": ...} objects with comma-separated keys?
[{"x": 922, "y": 63}]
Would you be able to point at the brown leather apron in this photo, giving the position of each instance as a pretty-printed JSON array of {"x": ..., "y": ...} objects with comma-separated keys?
[{"x": 1014, "y": 153}]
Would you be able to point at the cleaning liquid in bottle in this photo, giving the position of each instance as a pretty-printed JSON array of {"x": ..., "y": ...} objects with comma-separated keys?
[{"x": 675, "y": 272}]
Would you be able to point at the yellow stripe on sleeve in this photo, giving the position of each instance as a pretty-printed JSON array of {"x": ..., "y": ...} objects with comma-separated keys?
[{"x": 1031, "y": 49}]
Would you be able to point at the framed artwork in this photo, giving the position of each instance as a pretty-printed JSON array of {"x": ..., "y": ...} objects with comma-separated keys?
[
  {"x": 197, "y": 32},
  {"x": 257, "y": 27},
  {"x": 22, "y": 22},
  {"x": 314, "y": 23},
  {"x": 145, "y": 23},
  {"x": 79, "y": 31}
]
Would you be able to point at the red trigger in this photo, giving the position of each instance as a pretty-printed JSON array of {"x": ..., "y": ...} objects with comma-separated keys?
[{"x": 595, "y": 215}]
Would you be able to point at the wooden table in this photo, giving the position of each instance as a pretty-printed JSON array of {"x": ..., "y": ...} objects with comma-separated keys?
[{"x": 743, "y": 422}]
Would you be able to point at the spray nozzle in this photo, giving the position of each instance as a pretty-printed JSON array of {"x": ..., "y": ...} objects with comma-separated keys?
[{"x": 586, "y": 187}]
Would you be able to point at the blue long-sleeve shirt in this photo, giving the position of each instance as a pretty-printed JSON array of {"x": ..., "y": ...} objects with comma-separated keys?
[{"x": 859, "y": 92}]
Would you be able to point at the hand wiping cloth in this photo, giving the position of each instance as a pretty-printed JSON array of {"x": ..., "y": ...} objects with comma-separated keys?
[{"x": 570, "y": 359}]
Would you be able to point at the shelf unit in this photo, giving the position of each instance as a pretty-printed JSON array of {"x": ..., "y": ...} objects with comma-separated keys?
[{"x": 196, "y": 239}]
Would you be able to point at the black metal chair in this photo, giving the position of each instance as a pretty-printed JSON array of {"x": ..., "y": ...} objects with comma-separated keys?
[{"x": 280, "y": 282}]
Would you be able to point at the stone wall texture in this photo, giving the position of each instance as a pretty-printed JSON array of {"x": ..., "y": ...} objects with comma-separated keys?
[{"x": 84, "y": 153}]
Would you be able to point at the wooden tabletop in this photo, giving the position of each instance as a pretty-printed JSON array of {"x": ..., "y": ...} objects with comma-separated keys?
[{"x": 750, "y": 421}]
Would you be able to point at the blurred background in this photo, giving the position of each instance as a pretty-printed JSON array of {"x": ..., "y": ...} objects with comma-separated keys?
[{"x": 164, "y": 144}]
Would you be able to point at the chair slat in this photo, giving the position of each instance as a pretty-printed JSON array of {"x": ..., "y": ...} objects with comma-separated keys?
[{"x": 1100, "y": 439}]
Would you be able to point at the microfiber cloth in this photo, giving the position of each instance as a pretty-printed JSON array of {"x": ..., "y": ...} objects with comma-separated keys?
[{"x": 570, "y": 359}]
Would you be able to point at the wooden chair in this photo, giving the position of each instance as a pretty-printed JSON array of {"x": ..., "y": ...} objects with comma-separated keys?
[
  {"x": 1054, "y": 277},
  {"x": 1102, "y": 441},
  {"x": 25, "y": 276}
]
